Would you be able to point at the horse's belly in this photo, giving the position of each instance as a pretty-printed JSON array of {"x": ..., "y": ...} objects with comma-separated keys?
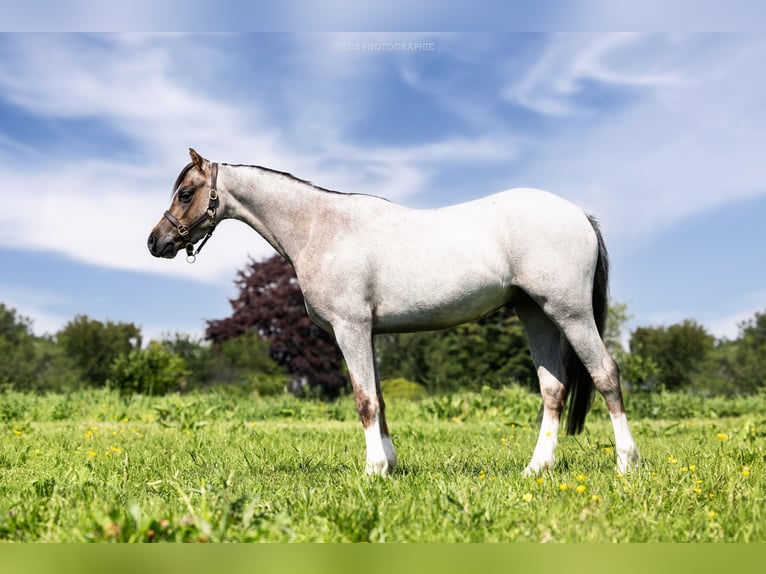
[{"x": 421, "y": 306}]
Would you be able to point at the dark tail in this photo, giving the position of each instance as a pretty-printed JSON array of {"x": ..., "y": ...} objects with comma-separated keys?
[{"x": 579, "y": 380}]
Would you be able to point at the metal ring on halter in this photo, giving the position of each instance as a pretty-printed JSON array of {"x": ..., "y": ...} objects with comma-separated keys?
[{"x": 191, "y": 257}]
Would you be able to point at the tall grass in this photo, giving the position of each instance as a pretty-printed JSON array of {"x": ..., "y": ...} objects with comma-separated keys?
[{"x": 97, "y": 466}]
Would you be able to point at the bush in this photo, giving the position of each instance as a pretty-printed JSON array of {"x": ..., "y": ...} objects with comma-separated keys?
[
  {"x": 401, "y": 388},
  {"x": 150, "y": 371},
  {"x": 94, "y": 346}
]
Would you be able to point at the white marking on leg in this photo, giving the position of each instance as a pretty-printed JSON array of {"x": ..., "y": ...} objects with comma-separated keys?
[
  {"x": 381, "y": 455},
  {"x": 544, "y": 455},
  {"x": 627, "y": 452},
  {"x": 388, "y": 448}
]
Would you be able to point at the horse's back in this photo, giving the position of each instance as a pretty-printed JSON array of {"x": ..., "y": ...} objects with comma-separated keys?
[{"x": 454, "y": 264}]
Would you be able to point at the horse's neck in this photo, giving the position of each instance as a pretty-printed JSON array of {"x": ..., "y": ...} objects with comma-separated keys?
[{"x": 281, "y": 209}]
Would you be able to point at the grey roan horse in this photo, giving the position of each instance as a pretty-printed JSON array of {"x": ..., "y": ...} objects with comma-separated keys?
[{"x": 368, "y": 266}]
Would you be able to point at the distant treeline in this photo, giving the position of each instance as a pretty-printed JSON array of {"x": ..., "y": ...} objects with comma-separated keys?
[{"x": 269, "y": 344}]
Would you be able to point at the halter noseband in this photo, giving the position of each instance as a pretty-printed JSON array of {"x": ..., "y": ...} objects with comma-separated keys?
[{"x": 209, "y": 215}]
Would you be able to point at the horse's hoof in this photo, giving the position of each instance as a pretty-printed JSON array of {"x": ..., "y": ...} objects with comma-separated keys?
[
  {"x": 627, "y": 461},
  {"x": 378, "y": 468}
]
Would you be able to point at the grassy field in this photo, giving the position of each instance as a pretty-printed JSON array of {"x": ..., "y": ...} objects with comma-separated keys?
[{"x": 95, "y": 466}]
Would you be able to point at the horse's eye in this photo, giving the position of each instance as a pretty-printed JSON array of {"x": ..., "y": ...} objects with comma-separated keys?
[{"x": 185, "y": 194}]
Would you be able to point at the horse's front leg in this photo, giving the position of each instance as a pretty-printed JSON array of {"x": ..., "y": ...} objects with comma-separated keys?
[{"x": 355, "y": 342}]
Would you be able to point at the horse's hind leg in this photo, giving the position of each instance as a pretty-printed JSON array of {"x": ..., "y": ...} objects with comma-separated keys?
[
  {"x": 545, "y": 345},
  {"x": 582, "y": 334},
  {"x": 355, "y": 342}
]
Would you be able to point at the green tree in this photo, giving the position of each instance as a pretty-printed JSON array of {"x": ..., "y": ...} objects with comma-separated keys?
[
  {"x": 93, "y": 346},
  {"x": 197, "y": 355},
  {"x": 150, "y": 371},
  {"x": 747, "y": 364},
  {"x": 17, "y": 349},
  {"x": 617, "y": 316},
  {"x": 245, "y": 361},
  {"x": 491, "y": 350},
  {"x": 678, "y": 352}
]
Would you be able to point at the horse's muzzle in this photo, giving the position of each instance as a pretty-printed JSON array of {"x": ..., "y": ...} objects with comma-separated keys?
[{"x": 166, "y": 250}]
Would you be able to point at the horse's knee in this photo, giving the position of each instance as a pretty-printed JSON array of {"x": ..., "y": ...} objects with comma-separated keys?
[{"x": 552, "y": 389}]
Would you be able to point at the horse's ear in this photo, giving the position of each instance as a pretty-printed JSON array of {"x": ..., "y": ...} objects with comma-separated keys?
[{"x": 197, "y": 159}]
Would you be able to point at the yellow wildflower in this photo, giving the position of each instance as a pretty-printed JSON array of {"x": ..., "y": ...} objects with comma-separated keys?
[
  {"x": 672, "y": 460},
  {"x": 563, "y": 486},
  {"x": 581, "y": 488},
  {"x": 693, "y": 467},
  {"x": 528, "y": 497},
  {"x": 711, "y": 514},
  {"x": 698, "y": 490},
  {"x": 17, "y": 432},
  {"x": 595, "y": 498},
  {"x": 581, "y": 477},
  {"x": 746, "y": 471},
  {"x": 722, "y": 436},
  {"x": 540, "y": 480},
  {"x": 92, "y": 453}
]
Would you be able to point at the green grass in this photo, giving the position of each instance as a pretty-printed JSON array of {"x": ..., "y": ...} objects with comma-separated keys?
[{"x": 94, "y": 466}]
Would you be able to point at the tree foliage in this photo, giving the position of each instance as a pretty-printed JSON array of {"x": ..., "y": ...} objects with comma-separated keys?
[
  {"x": 269, "y": 337},
  {"x": 750, "y": 353},
  {"x": 270, "y": 303},
  {"x": 150, "y": 371},
  {"x": 493, "y": 349},
  {"x": 94, "y": 346},
  {"x": 17, "y": 348},
  {"x": 678, "y": 352}
]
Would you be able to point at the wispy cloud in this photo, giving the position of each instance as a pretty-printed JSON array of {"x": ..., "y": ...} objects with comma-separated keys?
[
  {"x": 162, "y": 94},
  {"x": 572, "y": 63},
  {"x": 685, "y": 138},
  {"x": 644, "y": 130}
]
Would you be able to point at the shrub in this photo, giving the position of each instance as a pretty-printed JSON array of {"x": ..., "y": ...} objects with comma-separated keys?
[
  {"x": 150, "y": 371},
  {"x": 401, "y": 388}
]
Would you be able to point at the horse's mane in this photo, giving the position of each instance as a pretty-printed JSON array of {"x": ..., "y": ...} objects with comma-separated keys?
[{"x": 297, "y": 179}]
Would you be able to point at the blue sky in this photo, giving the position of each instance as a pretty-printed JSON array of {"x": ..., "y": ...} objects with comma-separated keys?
[{"x": 659, "y": 135}]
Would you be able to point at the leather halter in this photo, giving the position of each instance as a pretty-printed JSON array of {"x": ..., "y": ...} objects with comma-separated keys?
[{"x": 209, "y": 216}]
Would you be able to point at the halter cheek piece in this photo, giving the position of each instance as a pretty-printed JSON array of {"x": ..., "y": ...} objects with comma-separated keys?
[{"x": 209, "y": 215}]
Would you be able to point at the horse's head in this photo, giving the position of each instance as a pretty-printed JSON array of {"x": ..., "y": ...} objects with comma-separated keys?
[{"x": 191, "y": 215}]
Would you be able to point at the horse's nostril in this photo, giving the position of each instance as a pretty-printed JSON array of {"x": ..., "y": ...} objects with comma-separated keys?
[{"x": 151, "y": 241}]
